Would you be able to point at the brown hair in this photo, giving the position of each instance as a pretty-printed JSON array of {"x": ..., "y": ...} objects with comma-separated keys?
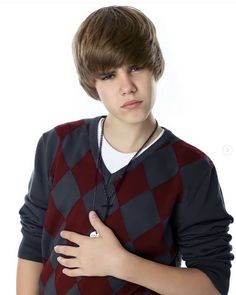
[{"x": 111, "y": 37}]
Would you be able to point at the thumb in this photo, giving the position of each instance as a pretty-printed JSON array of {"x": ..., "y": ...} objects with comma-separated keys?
[{"x": 96, "y": 222}]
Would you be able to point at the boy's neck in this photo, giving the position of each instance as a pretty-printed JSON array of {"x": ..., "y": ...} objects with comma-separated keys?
[{"x": 129, "y": 137}]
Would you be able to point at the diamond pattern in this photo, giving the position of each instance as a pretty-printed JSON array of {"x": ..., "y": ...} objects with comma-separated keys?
[
  {"x": 140, "y": 216},
  {"x": 85, "y": 173},
  {"x": 78, "y": 220},
  {"x": 49, "y": 287},
  {"x": 116, "y": 223},
  {"x": 151, "y": 243},
  {"x": 53, "y": 219},
  {"x": 186, "y": 153},
  {"x": 72, "y": 149},
  {"x": 160, "y": 166},
  {"x": 167, "y": 195},
  {"x": 63, "y": 283},
  {"x": 66, "y": 193},
  {"x": 131, "y": 187},
  {"x": 46, "y": 272},
  {"x": 65, "y": 129},
  {"x": 59, "y": 167},
  {"x": 145, "y": 218},
  {"x": 150, "y": 189}
]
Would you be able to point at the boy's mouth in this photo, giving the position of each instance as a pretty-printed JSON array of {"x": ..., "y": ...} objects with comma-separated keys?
[{"x": 131, "y": 104}]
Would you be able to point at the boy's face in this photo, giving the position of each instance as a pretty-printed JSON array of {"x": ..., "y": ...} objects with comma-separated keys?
[{"x": 128, "y": 93}]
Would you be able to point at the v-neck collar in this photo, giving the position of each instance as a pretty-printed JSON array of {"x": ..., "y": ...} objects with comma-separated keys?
[{"x": 107, "y": 175}]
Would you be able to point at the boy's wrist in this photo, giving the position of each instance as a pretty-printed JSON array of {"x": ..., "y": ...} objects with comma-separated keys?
[
  {"x": 126, "y": 263},
  {"x": 120, "y": 264}
]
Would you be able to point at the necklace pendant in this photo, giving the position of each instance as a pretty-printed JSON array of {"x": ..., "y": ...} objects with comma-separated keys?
[{"x": 94, "y": 234}]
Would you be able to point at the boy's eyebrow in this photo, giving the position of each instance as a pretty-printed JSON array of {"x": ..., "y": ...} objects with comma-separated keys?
[
  {"x": 112, "y": 71},
  {"x": 106, "y": 73}
]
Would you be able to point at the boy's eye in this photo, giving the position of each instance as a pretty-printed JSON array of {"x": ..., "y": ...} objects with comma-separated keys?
[
  {"x": 131, "y": 69},
  {"x": 135, "y": 68},
  {"x": 107, "y": 77}
]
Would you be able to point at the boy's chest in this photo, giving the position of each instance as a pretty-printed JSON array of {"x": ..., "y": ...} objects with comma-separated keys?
[{"x": 139, "y": 208}]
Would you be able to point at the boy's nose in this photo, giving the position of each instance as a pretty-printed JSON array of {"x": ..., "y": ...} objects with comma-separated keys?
[{"x": 126, "y": 84}]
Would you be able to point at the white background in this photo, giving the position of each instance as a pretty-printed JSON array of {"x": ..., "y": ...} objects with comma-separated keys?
[{"x": 40, "y": 89}]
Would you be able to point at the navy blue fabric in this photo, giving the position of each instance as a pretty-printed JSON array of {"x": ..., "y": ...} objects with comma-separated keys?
[{"x": 169, "y": 206}]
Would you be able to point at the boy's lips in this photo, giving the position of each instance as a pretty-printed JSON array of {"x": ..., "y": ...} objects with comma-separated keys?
[{"x": 129, "y": 103}]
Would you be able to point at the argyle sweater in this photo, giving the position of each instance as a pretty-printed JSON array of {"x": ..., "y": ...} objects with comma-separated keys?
[{"x": 169, "y": 207}]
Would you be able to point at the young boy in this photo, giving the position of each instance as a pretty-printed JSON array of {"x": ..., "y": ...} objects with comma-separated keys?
[{"x": 157, "y": 198}]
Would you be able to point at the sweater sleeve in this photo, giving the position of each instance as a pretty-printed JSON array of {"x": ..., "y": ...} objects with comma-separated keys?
[
  {"x": 36, "y": 200},
  {"x": 202, "y": 224}
]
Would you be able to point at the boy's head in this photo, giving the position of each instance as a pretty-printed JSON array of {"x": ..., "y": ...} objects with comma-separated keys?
[{"x": 111, "y": 37}]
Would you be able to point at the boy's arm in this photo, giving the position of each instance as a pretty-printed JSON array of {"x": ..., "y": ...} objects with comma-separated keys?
[
  {"x": 27, "y": 278},
  {"x": 32, "y": 215},
  {"x": 163, "y": 279}
]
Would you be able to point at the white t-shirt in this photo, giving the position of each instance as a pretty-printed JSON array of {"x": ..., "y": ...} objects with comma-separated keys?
[{"x": 113, "y": 159}]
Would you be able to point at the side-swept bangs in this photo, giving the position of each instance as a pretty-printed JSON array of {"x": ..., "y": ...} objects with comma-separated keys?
[{"x": 111, "y": 37}]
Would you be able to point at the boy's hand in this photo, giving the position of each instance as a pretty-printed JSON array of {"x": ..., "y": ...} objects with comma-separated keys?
[{"x": 98, "y": 256}]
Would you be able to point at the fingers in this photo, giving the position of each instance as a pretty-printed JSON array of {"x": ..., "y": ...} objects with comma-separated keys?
[
  {"x": 72, "y": 236},
  {"x": 67, "y": 250},
  {"x": 68, "y": 262},
  {"x": 72, "y": 272}
]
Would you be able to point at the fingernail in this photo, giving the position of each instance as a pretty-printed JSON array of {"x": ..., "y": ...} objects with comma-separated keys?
[{"x": 93, "y": 213}]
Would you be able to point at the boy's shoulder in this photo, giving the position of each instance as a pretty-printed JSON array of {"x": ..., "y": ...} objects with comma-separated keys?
[
  {"x": 65, "y": 133},
  {"x": 63, "y": 129},
  {"x": 187, "y": 153},
  {"x": 66, "y": 128}
]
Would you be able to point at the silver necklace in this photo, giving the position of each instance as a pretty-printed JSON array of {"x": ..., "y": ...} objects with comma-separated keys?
[{"x": 108, "y": 205}]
